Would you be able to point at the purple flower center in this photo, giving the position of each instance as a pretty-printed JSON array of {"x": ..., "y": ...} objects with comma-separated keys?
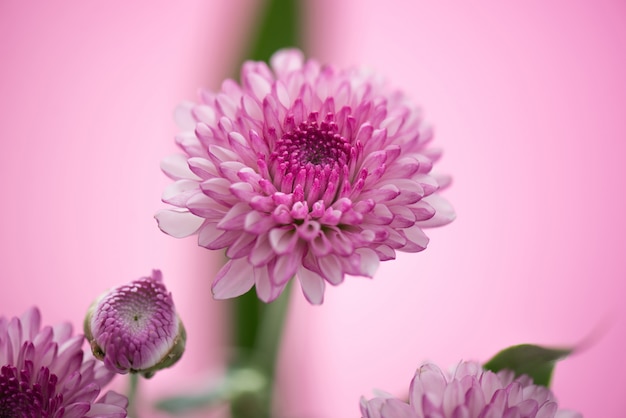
[
  {"x": 20, "y": 398},
  {"x": 312, "y": 156}
]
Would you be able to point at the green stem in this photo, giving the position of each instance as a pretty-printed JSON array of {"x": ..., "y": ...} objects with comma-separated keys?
[
  {"x": 270, "y": 333},
  {"x": 256, "y": 400},
  {"x": 258, "y": 326},
  {"x": 278, "y": 27},
  {"x": 132, "y": 395}
]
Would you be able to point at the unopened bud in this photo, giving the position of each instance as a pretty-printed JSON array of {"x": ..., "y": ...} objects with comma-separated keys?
[{"x": 135, "y": 328}]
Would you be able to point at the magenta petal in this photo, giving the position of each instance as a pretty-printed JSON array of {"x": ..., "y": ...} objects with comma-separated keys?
[
  {"x": 177, "y": 222},
  {"x": 259, "y": 86},
  {"x": 179, "y": 192},
  {"x": 287, "y": 61},
  {"x": 563, "y": 414},
  {"x": 214, "y": 239},
  {"x": 45, "y": 372},
  {"x": 371, "y": 408},
  {"x": 403, "y": 217},
  {"x": 331, "y": 269},
  {"x": 235, "y": 218},
  {"x": 234, "y": 279},
  {"x": 549, "y": 409},
  {"x": 468, "y": 392},
  {"x": 394, "y": 408},
  {"x": 368, "y": 262},
  {"x": 242, "y": 246},
  {"x": 444, "y": 213},
  {"x": 285, "y": 267},
  {"x": 266, "y": 290},
  {"x": 453, "y": 396},
  {"x": 175, "y": 167},
  {"x": 262, "y": 252},
  {"x": 312, "y": 285},
  {"x": 283, "y": 240},
  {"x": 416, "y": 240},
  {"x": 306, "y": 157},
  {"x": 105, "y": 411}
]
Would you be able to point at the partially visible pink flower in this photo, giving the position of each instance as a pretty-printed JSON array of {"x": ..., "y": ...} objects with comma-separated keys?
[
  {"x": 469, "y": 392},
  {"x": 44, "y": 373},
  {"x": 135, "y": 328},
  {"x": 302, "y": 170}
]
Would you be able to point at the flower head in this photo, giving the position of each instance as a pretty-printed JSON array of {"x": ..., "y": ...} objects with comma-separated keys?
[
  {"x": 305, "y": 171},
  {"x": 469, "y": 392},
  {"x": 45, "y": 373},
  {"x": 135, "y": 328}
]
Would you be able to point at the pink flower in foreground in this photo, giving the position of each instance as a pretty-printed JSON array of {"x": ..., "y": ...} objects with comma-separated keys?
[
  {"x": 44, "y": 373},
  {"x": 135, "y": 327},
  {"x": 470, "y": 392},
  {"x": 302, "y": 170}
]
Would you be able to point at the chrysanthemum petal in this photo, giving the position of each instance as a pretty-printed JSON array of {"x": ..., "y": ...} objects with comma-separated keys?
[
  {"x": 49, "y": 375},
  {"x": 234, "y": 279},
  {"x": 368, "y": 261},
  {"x": 416, "y": 240},
  {"x": 266, "y": 289},
  {"x": 394, "y": 408},
  {"x": 444, "y": 213},
  {"x": 178, "y": 223},
  {"x": 305, "y": 166},
  {"x": 283, "y": 240},
  {"x": 283, "y": 269},
  {"x": 565, "y": 414},
  {"x": 262, "y": 252},
  {"x": 468, "y": 392},
  {"x": 258, "y": 86},
  {"x": 235, "y": 218},
  {"x": 286, "y": 61},
  {"x": 179, "y": 192},
  {"x": 331, "y": 269},
  {"x": 312, "y": 284}
]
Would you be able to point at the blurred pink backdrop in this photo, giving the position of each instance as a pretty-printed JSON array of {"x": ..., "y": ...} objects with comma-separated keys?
[{"x": 527, "y": 100}]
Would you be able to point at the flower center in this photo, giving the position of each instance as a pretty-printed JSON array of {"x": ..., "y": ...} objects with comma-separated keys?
[
  {"x": 19, "y": 398},
  {"x": 313, "y": 157}
]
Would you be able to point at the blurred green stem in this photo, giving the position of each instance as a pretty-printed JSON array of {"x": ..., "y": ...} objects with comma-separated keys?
[
  {"x": 270, "y": 333},
  {"x": 133, "y": 387},
  {"x": 258, "y": 326},
  {"x": 255, "y": 401}
]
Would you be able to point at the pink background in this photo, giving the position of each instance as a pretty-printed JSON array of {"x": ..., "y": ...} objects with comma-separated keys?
[{"x": 527, "y": 99}]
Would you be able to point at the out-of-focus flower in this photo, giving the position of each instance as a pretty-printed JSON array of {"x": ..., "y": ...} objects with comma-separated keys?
[
  {"x": 302, "y": 170},
  {"x": 469, "y": 392},
  {"x": 135, "y": 327},
  {"x": 45, "y": 373}
]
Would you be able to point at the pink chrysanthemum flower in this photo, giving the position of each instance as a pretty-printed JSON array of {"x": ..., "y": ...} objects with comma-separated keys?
[
  {"x": 469, "y": 392},
  {"x": 45, "y": 373},
  {"x": 135, "y": 328},
  {"x": 302, "y": 170}
]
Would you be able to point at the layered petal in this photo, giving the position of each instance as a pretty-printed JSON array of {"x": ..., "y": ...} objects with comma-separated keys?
[
  {"x": 302, "y": 170},
  {"x": 45, "y": 373},
  {"x": 467, "y": 392}
]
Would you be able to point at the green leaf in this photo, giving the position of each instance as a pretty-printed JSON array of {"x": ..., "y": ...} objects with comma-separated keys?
[
  {"x": 243, "y": 386},
  {"x": 182, "y": 404},
  {"x": 532, "y": 360}
]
